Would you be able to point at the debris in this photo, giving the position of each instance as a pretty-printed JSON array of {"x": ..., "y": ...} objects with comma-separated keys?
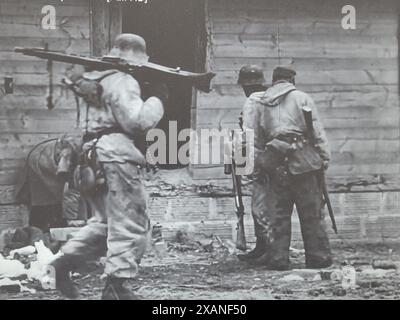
[
  {"x": 292, "y": 277},
  {"x": 349, "y": 277},
  {"x": 27, "y": 236},
  {"x": 160, "y": 247},
  {"x": 316, "y": 292},
  {"x": 333, "y": 274},
  {"x": 40, "y": 269},
  {"x": 26, "y": 289},
  {"x": 10, "y": 286},
  {"x": 206, "y": 244},
  {"x": 62, "y": 234},
  {"x": 369, "y": 284},
  {"x": 48, "y": 281},
  {"x": 11, "y": 268},
  {"x": 317, "y": 277},
  {"x": 182, "y": 236},
  {"x": 44, "y": 254},
  {"x": 386, "y": 264},
  {"x": 24, "y": 251},
  {"x": 375, "y": 273},
  {"x": 339, "y": 292}
]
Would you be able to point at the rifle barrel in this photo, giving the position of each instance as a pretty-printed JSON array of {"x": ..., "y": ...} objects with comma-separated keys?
[{"x": 146, "y": 72}]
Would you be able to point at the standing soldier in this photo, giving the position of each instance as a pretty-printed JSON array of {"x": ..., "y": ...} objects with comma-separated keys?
[
  {"x": 287, "y": 172},
  {"x": 109, "y": 175},
  {"x": 251, "y": 78}
]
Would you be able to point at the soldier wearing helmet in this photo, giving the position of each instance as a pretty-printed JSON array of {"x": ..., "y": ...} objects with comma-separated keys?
[
  {"x": 287, "y": 170},
  {"x": 110, "y": 178},
  {"x": 251, "y": 78}
]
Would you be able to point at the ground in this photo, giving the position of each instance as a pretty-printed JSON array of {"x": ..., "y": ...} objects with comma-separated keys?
[{"x": 212, "y": 271}]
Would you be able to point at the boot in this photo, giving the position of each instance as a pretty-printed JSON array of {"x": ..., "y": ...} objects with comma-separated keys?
[
  {"x": 63, "y": 265},
  {"x": 114, "y": 290},
  {"x": 269, "y": 263},
  {"x": 257, "y": 252},
  {"x": 318, "y": 263}
]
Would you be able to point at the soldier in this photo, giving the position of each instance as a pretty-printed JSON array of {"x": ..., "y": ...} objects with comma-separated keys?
[
  {"x": 109, "y": 175},
  {"x": 251, "y": 78},
  {"x": 286, "y": 170}
]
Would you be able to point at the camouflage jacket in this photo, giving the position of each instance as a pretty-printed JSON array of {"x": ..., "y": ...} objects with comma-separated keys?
[
  {"x": 121, "y": 106},
  {"x": 278, "y": 112}
]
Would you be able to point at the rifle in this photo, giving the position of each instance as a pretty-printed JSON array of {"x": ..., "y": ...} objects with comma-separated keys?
[
  {"x": 310, "y": 130},
  {"x": 146, "y": 72},
  {"x": 237, "y": 189}
]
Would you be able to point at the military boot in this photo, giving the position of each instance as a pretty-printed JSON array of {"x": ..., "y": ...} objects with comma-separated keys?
[
  {"x": 114, "y": 290},
  {"x": 318, "y": 263},
  {"x": 63, "y": 265},
  {"x": 257, "y": 252},
  {"x": 270, "y": 263}
]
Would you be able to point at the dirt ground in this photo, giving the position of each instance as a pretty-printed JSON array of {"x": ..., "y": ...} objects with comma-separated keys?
[{"x": 201, "y": 271}]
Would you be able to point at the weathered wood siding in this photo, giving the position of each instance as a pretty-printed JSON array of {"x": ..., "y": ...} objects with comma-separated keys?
[
  {"x": 24, "y": 118},
  {"x": 351, "y": 74}
]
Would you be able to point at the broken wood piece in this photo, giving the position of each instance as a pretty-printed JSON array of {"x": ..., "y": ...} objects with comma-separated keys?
[{"x": 62, "y": 234}]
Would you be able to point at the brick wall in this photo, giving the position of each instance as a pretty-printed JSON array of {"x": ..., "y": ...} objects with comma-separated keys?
[{"x": 367, "y": 216}]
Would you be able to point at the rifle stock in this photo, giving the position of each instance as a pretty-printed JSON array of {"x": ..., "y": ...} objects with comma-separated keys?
[
  {"x": 239, "y": 207},
  {"x": 240, "y": 234}
]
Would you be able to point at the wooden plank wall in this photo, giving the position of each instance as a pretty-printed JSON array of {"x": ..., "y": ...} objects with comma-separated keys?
[
  {"x": 351, "y": 74},
  {"x": 24, "y": 118}
]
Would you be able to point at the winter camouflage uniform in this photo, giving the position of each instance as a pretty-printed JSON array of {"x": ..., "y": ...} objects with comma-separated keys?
[
  {"x": 116, "y": 118},
  {"x": 119, "y": 210},
  {"x": 286, "y": 174}
]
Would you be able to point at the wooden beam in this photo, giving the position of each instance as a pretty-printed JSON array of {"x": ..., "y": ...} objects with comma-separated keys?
[{"x": 105, "y": 25}]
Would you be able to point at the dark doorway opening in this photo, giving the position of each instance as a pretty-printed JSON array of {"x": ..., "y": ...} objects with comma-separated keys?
[{"x": 170, "y": 30}]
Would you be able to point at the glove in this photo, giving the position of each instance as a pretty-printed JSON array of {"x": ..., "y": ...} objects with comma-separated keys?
[{"x": 159, "y": 90}]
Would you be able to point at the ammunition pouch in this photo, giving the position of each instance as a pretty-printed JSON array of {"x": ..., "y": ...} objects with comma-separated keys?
[
  {"x": 304, "y": 156},
  {"x": 89, "y": 174},
  {"x": 273, "y": 156},
  {"x": 293, "y": 151}
]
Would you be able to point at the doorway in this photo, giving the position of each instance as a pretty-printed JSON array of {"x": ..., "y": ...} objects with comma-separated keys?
[{"x": 170, "y": 30}]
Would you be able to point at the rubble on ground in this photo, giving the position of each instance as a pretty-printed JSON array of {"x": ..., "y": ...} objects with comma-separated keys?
[{"x": 196, "y": 266}]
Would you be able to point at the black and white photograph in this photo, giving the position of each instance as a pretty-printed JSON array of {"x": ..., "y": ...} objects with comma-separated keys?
[{"x": 208, "y": 151}]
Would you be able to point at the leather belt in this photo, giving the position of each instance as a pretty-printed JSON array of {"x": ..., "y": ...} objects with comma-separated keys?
[{"x": 292, "y": 138}]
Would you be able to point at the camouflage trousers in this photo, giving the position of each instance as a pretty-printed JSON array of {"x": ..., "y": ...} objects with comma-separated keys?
[
  {"x": 119, "y": 223},
  {"x": 273, "y": 201}
]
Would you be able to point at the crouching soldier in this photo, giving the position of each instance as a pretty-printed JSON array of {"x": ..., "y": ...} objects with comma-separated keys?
[
  {"x": 109, "y": 172},
  {"x": 286, "y": 172}
]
